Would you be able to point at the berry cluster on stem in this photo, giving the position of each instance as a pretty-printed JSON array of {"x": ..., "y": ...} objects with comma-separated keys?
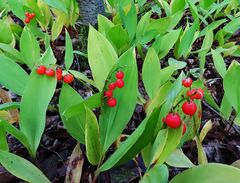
[
  {"x": 29, "y": 17},
  {"x": 189, "y": 107},
  {"x": 119, "y": 83}
]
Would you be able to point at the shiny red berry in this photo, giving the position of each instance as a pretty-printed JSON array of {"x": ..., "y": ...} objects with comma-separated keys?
[
  {"x": 111, "y": 86},
  {"x": 27, "y": 14},
  {"x": 189, "y": 108},
  {"x": 184, "y": 129},
  {"x": 111, "y": 102},
  {"x": 191, "y": 93},
  {"x": 50, "y": 72},
  {"x": 68, "y": 78},
  {"x": 119, "y": 83},
  {"x": 173, "y": 120},
  {"x": 187, "y": 82},
  {"x": 27, "y": 20},
  {"x": 59, "y": 74},
  {"x": 119, "y": 75},
  {"x": 199, "y": 93},
  {"x": 31, "y": 15},
  {"x": 108, "y": 93},
  {"x": 41, "y": 69}
]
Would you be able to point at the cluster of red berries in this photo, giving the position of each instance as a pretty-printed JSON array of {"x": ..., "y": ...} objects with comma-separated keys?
[
  {"x": 29, "y": 17},
  {"x": 68, "y": 78},
  {"x": 119, "y": 83},
  {"x": 189, "y": 107}
]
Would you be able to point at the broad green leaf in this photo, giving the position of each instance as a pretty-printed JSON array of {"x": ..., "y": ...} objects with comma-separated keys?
[
  {"x": 101, "y": 55},
  {"x": 205, "y": 4},
  {"x": 177, "y": 64},
  {"x": 129, "y": 20},
  {"x": 12, "y": 76},
  {"x": 82, "y": 77},
  {"x": 29, "y": 47},
  {"x": 6, "y": 35},
  {"x": 158, "y": 173},
  {"x": 206, "y": 128},
  {"x": 209, "y": 173},
  {"x": 48, "y": 57},
  {"x": 225, "y": 108},
  {"x": 76, "y": 123},
  {"x": 58, "y": 4},
  {"x": 3, "y": 138},
  {"x": 57, "y": 27},
  {"x": 37, "y": 95},
  {"x": 22, "y": 168},
  {"x": 202, "y": 158},
  {"x": 114, "y": 120},
  {"x": 150, "y": 71},
  {"x": 207, "y": 43},
  {"x": 212, "y": 26},
  {"x": 93, "y": 146},
  {"x": 179, "y": 159},
  {"x": 172, "y": 142},
  {"x": 9, "y": 105},
  {"x": 68, "y": 58},
  {"x": 231, "y": 85},
  {"x": 219, "y": 63},
  {"x": 104, "y": 24},
  {"x": 134, "y": 143},
  {"x": 164, "y": 44},
  {"x": 121, "y": 43},
  {"x": 177, "y": 5},
  {"x": 158, "y": 145},
  {"x": 17, "y": 10},
  {"x": 187, "y": 40},
  {"x": 13, "y": 53}
]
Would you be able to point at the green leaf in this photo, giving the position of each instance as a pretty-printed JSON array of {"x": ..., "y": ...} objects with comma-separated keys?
[
  {"x": 177, "y": 5},
  {"x": 219, "y": 63},
  {"x": 37, "y": 95},
  {"x": 207, "y": 43},
  {"x": 104, "y": 24},
  {"x": 164, "y": 44},
  {"x": 177, "y": 64},
  {"x": 209, "y": 173},
  {"x": 212, "y": 26},
  {"x": 22, "y": 168},
  {"x": 68, "y": 59},
  {"x": 158, "y": 145},
  {"x": 3, "y": 138},
  {"x": 134, "y": 143},
  {"x": 179, "y": 159},
  {"x": 6, "y": 35},
  {"x": 82, "y": 77},
  {"x": 13, "y": 53},
  {"x": 93, "y": 146},
  {"x": 74, "y": 124},
  {"x": 151, "y": 71},
  {"x": 12, "y": 76},
  {"x": 58, "y": 4},
  {"x": 48, "y": 57},
  {"x": 17, "y": 10},
  {"x": 158, "y": 173},
  {"x": 101, "y": 55},
  {"x": 225, "y": 108},
  {"x": 114, "y": 120},
  {"x": 57, "y": 27},
  {"x": 205, "y": 4},
  {"x": 29, "y": 47},
  {"x": 231, "y": 85},
  {"x": 187, "y": 40},
  {"x": 9, "y": 105}
]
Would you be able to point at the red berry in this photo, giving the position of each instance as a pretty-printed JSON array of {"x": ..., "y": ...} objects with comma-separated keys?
[
  {"x": 189, "y": 108},
  {"x": 187, "y": 82},
  {"x": 27, "y": 20},
  {"x": 173, "y": 120},
  {"x": 31, "y": 15},
  {"x": 50, "y": 72},
  {"x": 111, "y": 102},
  {"x": 111, "y": 86},
  {"x": 68, "y": 78},
  {"x": 27, "y": 14},
  {"x": 199, "y": 93},
  {"x": 108, "y": 93},
  {"x": 120, "y": 83},
  {"x": 119, "y": 75},
  {"x": 59, "y": 74},
  {"x": 184, "y": 129},
  {"x": 41, "y": 69},
  {"x": 191, "y": 93}
]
